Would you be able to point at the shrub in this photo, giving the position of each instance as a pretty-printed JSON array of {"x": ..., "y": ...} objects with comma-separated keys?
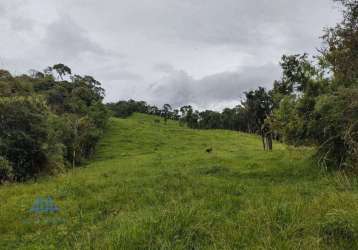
[{"x": 337, "y": 119}]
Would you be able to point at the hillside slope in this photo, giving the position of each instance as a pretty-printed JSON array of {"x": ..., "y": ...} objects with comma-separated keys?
[{"x": 154, "y": 186}]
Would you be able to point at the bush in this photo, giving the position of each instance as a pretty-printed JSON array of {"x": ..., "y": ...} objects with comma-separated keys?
[{"x": 337, "y": 119}]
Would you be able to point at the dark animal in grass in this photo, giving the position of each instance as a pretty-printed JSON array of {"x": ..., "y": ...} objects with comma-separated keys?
[{"x": 209, "y": 150}]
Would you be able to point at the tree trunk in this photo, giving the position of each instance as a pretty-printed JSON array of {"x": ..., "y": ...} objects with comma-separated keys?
[
  {"x": 73, "y": 157},
  {"x": 263, "y": 140},
  {"x": 269, "y": 141}
]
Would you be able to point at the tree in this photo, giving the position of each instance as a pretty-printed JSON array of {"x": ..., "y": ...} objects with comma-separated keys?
[
  {"x": 259, "y": 106},
  {"x": 25, "y": 135},
  {"x": 37, "y": 133},
  {"x": 189, "y": 117},
  {"x": 175, "y": 114},
  {"x": 322, "y": 109},
  {"x": 166, "y": 112},
  {"x": 341, "y": 53},
  {"x": 210, "y": 120},
  {"x": 61, "y": 70},
  {"x": 228, "y": 117},
  {"x": 10, "y": 86},
  {"x": 124, "y": 109},
  {"x": 297, "y": 73},
  {"x": 94, "y": 86}
]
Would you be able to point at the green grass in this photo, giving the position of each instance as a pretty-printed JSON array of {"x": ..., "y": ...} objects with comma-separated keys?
[{"x": 153, "y": 186}]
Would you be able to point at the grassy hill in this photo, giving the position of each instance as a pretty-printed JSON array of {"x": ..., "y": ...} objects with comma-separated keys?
[{"x": 154, "y": 186}]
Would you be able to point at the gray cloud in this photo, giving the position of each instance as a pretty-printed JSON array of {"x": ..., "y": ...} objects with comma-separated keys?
[
  {"x": 238, "y": 23},
  {"x": 2, "y": 9},
  {"x": 179, "y": 88},
  {"x": 194, "y": 51},
  {"x": 122, "y": 74},
  {"x": 164, "y": 67},
  {"x": 21, "y": 24},
  {"x": 65, "y": 37}
]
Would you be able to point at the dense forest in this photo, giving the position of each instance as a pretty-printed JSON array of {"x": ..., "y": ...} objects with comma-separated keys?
[
  {"x": 52, "y": 120},
  {"x": 48, "y": 123}
]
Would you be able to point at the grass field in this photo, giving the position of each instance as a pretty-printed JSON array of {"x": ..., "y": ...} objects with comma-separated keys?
[{"x": 154, "y": 186}]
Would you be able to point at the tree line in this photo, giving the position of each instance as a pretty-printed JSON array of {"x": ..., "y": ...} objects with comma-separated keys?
[
  {"x": 314, "y": 103},
  {"x": 49, "y": 121}
]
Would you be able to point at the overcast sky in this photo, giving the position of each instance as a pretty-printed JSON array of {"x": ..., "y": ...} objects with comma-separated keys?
[{"x": 199, "y": 52}]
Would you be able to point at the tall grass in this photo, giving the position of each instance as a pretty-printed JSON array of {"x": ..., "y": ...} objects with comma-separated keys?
[{"x": 154, "y": 186}]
